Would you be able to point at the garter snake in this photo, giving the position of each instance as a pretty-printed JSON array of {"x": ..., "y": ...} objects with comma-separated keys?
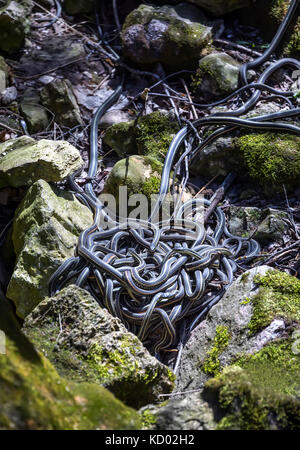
[{"x": 161, "y": 278}]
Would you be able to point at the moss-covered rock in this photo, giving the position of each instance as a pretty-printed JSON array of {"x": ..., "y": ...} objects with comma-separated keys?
[
  {"x": 138, "y": 174},
  {"x": 86, "y": 343},
  {"x": 14, "y": 24},
  {"x": 58, "y": 96},
  {"x": 24, "y": 161},
  {"x": 47, "y": 224},
  {"x": 217, "y": 75},
  {"x": 267, "y": 224},
  {"x": 78, "y": 6},
  {"x": 34, "y": 397},
  {"x": 243, "y": 360},
  {"x": 34, "y": 113},
  {"x": 174, "y": 36},
  {"x": 149, "y": 135},
  {"x": 272, "y": 159},
  {"x": 260, "y": 391},
  {"x": 278, "y": 297}
]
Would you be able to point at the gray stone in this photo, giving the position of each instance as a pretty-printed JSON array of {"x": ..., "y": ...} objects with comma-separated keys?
[
  {"x": 59, "y": 97},
  {"x": 54, "y": 51},
  {"x": 194, "y": 406},
  {"x": 86, "y": 343},
  {"x": 24, "y": 161},
  {"x": 173, "y": 36},
  {"x": 34, "y": 113},
  {"x": 46, "y": 227},
  {"x": 217, "y": 75},
  {"x": 264, "y": 224},
  {"x": 113, "y": 117},
  {"x": 9, "y": 95},
  {"x": 14, "y": 24}
]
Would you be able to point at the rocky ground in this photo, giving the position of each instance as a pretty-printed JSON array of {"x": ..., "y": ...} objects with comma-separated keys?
[{"x": 69, "y": 364}]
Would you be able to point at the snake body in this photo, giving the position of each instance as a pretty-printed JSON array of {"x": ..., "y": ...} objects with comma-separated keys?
[{"x": 160, "y": 278}]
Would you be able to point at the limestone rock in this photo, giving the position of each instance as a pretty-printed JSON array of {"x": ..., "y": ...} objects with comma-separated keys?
[
  {"x": 33, "y": 112},
  {"x": 14, "y": 24},
  {"x": 34, "y": 397},
  {"x": 174, "y": 36},
  {"x": 58, "y": 96},
  {"x": 268, "y": 224},
  {"x": 46, "y": 227},
  {"x": 150, "y": 135},
  {"x": 217, "y": 76},
  {"x": 24, "y": 161},
  {"x": 94, "y": 346},
  {"x": 138, "y": 174},
  {"x": 241, "y": 360}
]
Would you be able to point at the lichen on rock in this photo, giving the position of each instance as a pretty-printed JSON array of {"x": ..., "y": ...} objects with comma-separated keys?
[
  {"x": 46, "y": 227},
  {"x": 217, "y": 75},
  {"x": 149, "y": 135},
  {"x": 86, "y": 343},
  {"x": 14, "y": 24},
  {"x": 173, "y": 36},
  {"x": 24, "y": 161},
  {"x": 34, "y": 397},
  {"x": 58, "y": 96}
]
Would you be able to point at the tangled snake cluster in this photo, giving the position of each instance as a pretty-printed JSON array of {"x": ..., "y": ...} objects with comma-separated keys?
[{"x": 161, "y": 278}]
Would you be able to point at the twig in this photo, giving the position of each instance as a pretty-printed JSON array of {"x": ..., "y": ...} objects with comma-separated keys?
[
  {"x": 116, "y": 16},
  {"x": 238, "y": 47},
  {"x": 190, "y": 99}
]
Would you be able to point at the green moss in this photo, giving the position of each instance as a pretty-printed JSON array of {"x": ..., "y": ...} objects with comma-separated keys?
[
  {"x": 211, "y": 364},
  {"x": 272, "y": 159},
  {"x": 33, "y": 396},
  {"x": 149, "y": 135},
  {"x": 148, "y": 419},
  {"x": 278, "y": 296},
  {"x": 154, "y": 134},
  {"x": 259, "y": 391}
]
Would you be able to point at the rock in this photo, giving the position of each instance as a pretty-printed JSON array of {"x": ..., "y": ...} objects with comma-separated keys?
[
  {"x": 270, "y": 159},
  {"x": 46, "y": 227},
  {"x": 9, "y": 95},
  {"x": 114, "y": 117},
  {"x": 94, "y": 346},
  {"x": 34, "y": 397},
  {"x": 136, "y": 175},
  {"x": 58, "y": 96},
  {"x": 217, "y": 7},
  {"x": 3, "y": 74},
  {"x": 24, "y": 161},
  {"x": 217, "y": 76},
  {"x": 240, "y": 360},
  {"x": 78, "y": 6},
  {"x": 14, "y": 24},
  {"x": 267, "y": 224},
  {"x": 174, "y": 36},
  {"x": 53, "y": 52},
  {"x": 149, "y": 135},
  {"x": 34, "y": 113}
]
